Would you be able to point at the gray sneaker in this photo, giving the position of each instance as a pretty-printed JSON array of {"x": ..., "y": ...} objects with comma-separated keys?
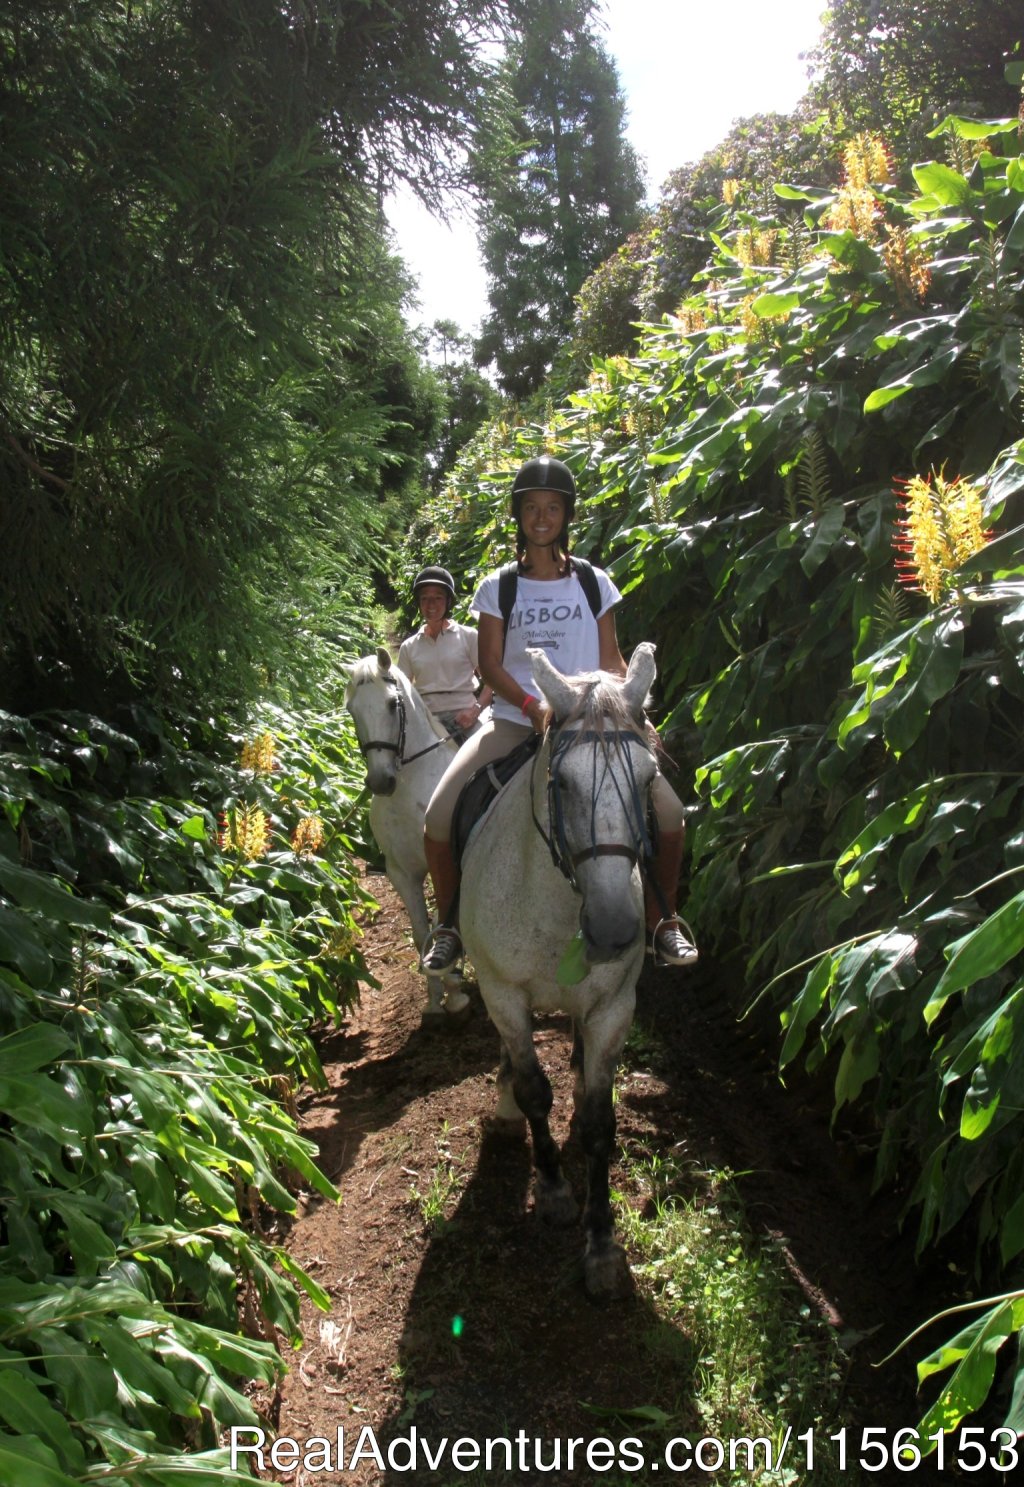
[
  {"x": 442, "y": 950},
  {"x": 670, "y": 946}
]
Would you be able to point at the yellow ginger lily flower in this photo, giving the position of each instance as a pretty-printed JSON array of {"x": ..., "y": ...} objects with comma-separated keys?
[{"x": 942, "y": 528}]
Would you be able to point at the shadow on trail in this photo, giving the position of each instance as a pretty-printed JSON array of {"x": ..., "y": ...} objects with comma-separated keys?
[
  {"x": 500, "y": 1343},
  {"x": 372, "y": 1095}
]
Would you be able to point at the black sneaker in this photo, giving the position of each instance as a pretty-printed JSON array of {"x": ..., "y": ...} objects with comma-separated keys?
[{"x": 442, "y": 950}]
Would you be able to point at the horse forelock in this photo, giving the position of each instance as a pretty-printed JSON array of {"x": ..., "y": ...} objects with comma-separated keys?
[
  {"x": 600, "y": 707},
  {"x": 367, "y": 670}
]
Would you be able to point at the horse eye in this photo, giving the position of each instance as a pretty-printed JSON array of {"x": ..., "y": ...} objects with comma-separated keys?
[{"x": 393, "y": 704}]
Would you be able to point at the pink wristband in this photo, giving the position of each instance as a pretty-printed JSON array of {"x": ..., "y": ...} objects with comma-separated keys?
[{"x": 526, "y": 702}]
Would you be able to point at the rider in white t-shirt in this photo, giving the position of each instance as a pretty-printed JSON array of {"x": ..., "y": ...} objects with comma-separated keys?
[
  {"x": 553, "y": 612},
  {"x": 550, "y": 615}
]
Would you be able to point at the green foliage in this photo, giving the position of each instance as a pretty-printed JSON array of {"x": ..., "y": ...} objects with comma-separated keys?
[
  {"x": 608, "y": 304},
  {"x": 899, "y": 67},
  {"x": 760, "y": 1364},
  {"x": 469, "y": 399},
  {"x": 856, "y": 752},
  {"x": 157, "y": 986},
  {"x": 206, "y": 388}
]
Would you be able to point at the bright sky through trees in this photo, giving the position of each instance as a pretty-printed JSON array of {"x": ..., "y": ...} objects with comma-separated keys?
[{"x": 688, "y": 68}]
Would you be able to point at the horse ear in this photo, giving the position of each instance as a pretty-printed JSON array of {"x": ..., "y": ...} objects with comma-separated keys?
[
  {"x": 383, "y": 658},
  {"x": 640, "y": 676},
  {"x": 558, "y": 693}
]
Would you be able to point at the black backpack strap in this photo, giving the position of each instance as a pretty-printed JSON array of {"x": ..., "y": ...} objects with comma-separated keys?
[
  {"x": 508, "y": 583},
  {"x": 584, "y": 571}
]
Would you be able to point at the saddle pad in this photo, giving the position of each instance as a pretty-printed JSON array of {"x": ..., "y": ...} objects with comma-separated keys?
[{"x": 480, "y": 790}]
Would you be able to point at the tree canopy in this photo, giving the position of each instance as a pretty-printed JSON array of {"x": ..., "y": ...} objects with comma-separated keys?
[
  {"x": 571, "y": 196},
  {"x": 900, "y": 66},
  {"x": 204, "y": 371}
]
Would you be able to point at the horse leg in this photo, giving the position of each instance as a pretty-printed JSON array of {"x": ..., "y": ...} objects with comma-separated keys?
[
  {"x": 441, "y": 1010},
  {"x": 508, "y": 1119},
  {"x": 552, "y": 1195},
  {"x": 576, "y": 1068},
  {"x": 606, "y": 1273}
]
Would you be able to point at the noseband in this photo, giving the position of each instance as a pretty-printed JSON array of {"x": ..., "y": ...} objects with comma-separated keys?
[
  {"x": 555, "y": 836},
  {"x": 391, "y": 745}
]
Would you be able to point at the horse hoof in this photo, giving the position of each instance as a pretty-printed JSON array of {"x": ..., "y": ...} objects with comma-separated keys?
[
  {"x": 457, "y": 1008},
  {"x": 555, "y": 1204},
  {"x": 432, "y": 1020},
  {"x": 606, "y": 1274}
]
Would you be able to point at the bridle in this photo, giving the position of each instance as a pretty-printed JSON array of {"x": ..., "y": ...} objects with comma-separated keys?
[
  {"x": 393, "y": 747},
  {"x": 635, "y": 805}
]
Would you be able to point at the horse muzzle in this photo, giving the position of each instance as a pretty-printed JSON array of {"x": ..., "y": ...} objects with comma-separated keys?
[
  {"x": 381, "y": 780},
  {"x": 609, "y": 932}
]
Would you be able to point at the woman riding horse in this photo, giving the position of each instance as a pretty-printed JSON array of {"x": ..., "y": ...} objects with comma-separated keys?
[
  {"x": 565, "y": 608},
  {"x": 440, "y": 658}
]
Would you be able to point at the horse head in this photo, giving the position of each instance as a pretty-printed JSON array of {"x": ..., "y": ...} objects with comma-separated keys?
[
  {"x": 563, "y": 693},
  {"x": 375, "y": 697},
  {"x": 600, "y": 770}
]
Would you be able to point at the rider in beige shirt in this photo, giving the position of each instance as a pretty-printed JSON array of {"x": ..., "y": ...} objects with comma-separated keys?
[{"x": 441, "y": 659}]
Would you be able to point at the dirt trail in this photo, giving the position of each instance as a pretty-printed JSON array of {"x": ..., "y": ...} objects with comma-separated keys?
[{"x": 528, "y": 1352}]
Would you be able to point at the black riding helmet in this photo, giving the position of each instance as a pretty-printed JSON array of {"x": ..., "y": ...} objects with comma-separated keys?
[
  {"x": 442, "y": 578},
  {"x": 544, "y": 473}
]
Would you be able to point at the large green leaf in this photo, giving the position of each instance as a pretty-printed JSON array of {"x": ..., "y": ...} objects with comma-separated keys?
[
  {"x": 30, "y": 1048},
  {"x": 974, "y": 1352},
  {"x": 25, "y": 1460},
  {"x": 935, "y": 657},
  {"x": 1011, "y": 1231},
  {"x": 948, "y": 187},
  {"x": 22, "y": 947},
  {"x": 981, "y": 953},
  {"x": 26, "y": 1409},
  {"x": 806, "y": 1006},
  {"x": 38, "y": 1101},
  {"x": 966, "y": 128},
  {"x": 49, "y": 896},
  {"x": 826, "y": 532},
  {"x": 857, "y": 860},
  {"x": 141, "y": 1376},
  {"x": 82, "y": 1377},
  {"x": 925, "y": 375}
]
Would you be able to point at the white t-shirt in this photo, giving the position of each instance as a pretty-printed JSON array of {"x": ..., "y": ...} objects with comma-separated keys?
[{"x": 552, "y": 615}]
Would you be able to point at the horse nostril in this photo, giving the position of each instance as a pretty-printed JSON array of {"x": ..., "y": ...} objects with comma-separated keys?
[{"x": 610, "y": 935}]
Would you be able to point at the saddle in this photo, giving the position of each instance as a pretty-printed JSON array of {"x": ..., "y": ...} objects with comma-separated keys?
[{"x": 479, "y": 792}]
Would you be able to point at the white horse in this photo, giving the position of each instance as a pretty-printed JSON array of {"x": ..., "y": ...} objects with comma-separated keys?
[
  {"x": 406, "y": 751},
  {"x": 559, "y": 853}
]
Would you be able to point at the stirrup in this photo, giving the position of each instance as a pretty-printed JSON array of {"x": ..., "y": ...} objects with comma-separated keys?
[
  {"x": 686, "y": 955},
  {"x": 442, "y": 950}
]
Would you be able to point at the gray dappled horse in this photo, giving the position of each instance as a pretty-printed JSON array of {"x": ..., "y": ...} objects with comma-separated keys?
[
  {"x": 406, "y": 751},
  {"x": 560, "y": 852}
]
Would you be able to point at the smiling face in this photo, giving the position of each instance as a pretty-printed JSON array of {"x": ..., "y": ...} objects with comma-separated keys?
[
  {"x": 433, "y": 602},
  {"x": 542, "y": 517}
]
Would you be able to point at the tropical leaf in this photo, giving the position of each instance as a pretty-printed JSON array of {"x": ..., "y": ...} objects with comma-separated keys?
[{"x": 981, "y": 953}]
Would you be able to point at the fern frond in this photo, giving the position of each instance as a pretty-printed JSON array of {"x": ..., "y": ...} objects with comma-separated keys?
[
  {"x": 813, "y": 483},
  {"x": 890, "y": 610}
]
